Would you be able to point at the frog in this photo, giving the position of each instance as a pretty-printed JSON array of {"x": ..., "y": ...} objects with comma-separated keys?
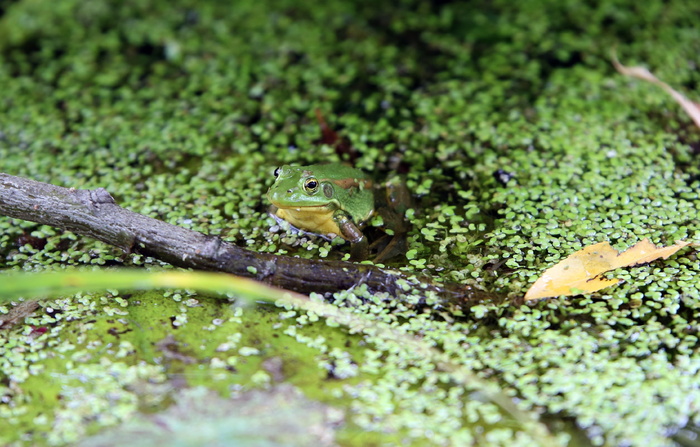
[{"x": 335, "y": 200}]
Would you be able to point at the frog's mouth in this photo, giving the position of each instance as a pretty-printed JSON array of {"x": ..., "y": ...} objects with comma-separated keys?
[{"x": 304, "y": 209}]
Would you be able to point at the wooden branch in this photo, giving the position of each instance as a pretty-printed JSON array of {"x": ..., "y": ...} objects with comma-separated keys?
[{"x": 95, "y": 214}]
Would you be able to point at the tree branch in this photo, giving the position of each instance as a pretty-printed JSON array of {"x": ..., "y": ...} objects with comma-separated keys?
[{"x": 95, "y": 214}]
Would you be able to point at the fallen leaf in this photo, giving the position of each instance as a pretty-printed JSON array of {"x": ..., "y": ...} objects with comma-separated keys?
[
  {"x": 579, "y": 273},
  {"x": 644, "y": 251},
  {"x": 692, "y": 108},
  {"x": 342, "y": 145}
]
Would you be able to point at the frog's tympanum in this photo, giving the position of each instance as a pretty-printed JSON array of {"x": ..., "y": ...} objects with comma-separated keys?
[{"x": 329, "y": 200}]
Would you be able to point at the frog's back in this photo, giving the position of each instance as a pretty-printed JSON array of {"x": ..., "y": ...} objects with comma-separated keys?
[
  {"x": 360, "y": 203},
  {"x": 356, "y": 196}
]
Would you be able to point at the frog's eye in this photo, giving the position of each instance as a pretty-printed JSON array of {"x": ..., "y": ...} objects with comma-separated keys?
[
  {"x": 311, "y": 185},
  {"x": 276, "y": 173}
]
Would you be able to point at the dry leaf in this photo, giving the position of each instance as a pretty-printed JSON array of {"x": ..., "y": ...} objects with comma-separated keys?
[
  {"x": 579, "y": 273},
  {"x": 692, "y": 108}
]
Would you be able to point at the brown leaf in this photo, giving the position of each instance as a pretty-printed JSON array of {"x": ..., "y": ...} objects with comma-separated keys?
[
  {"x": 691, "y": 108},
  {"x": 343, "y": 147},
  {"x": 579, "y": 273}
]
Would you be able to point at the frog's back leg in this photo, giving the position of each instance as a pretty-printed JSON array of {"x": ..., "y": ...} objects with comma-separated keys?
[{"x": 391, "y": 204}]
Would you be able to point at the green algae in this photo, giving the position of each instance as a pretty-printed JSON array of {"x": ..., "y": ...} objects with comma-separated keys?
[{"x": 183, "y": 109}]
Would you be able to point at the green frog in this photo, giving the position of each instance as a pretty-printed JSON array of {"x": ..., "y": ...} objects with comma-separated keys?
[{"x": 336, "y": 200}]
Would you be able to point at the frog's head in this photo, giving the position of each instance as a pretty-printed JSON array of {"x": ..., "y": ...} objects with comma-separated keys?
[{"x": 297, "y": 186}]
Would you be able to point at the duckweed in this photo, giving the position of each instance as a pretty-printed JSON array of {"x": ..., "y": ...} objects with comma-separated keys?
[{"x": 182, "y": 110}]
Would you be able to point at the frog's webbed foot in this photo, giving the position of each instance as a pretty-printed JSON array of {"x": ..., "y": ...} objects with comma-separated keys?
[
  {"x": 387, "y": 250},
  {"x": 392, "y": 243},
  {"x": 359, "y": 251}
]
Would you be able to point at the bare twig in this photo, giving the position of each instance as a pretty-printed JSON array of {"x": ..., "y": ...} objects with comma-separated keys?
[
  {"x": 690, "y": 107},
  {"x": 18, "y": 313},
  {"x": 95, "y": 214}
]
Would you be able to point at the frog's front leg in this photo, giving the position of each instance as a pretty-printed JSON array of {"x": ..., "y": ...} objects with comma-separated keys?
[{"x": 359, "y": 247}]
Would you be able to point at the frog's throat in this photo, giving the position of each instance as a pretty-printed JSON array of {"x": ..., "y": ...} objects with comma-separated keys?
[{"x": 314, "y": 219}]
